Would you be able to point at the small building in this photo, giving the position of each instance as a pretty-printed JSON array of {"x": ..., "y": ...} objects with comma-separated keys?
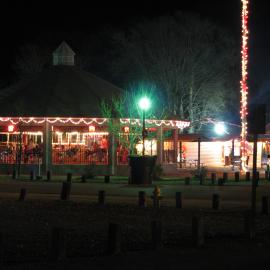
[
  {"x": 220, "y": 153},
  {"x": 53, "y": 121}
]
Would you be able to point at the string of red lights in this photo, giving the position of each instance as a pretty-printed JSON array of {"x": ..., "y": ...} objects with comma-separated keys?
[{"x": 244, "y": 80}]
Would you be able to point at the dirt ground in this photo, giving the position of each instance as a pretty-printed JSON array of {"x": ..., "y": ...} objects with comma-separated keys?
[{"x": 26, "y": 226}]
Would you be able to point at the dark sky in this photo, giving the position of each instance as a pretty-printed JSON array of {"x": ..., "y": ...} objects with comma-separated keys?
[{"x": 20, "y": 23}]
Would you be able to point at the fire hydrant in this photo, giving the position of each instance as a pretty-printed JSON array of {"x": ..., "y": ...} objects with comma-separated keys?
[
  {"x": 156, "y": 196},
  {"x": 156, "y": 191}
]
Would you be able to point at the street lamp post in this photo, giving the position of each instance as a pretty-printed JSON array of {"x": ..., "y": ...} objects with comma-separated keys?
[
  {"x": 143, "y": 134},
  {"x": 144, "y": 104}
]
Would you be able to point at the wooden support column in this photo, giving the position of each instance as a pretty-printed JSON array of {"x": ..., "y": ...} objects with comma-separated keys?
[
  {"x": 47, "y": 147},
  {"x": 181, "y": 153},
  {"x": 175, "y": 141},
  {"x": 112, "y": 156},
  {"x": 199, "y": 154},
  {"x": 232, "y": 156},
  {"x": 160, "y": 145}
]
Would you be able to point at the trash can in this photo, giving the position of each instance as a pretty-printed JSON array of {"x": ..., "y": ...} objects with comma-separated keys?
[{"x": 141, "y": 169}]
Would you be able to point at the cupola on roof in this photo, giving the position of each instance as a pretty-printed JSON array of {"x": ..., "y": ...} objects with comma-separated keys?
[{"x": 63, "y": 55}]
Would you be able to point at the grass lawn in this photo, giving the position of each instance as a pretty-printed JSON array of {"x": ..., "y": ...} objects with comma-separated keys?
[
  {"x": 26, "y": 228},
  {"x": 124, "y": 180}
]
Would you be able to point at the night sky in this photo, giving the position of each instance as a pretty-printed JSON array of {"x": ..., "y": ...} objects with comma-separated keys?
[{"x": 24, "y": 23}]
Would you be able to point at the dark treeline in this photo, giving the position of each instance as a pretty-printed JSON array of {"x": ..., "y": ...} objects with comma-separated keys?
[{"x": 191, "y": 62}]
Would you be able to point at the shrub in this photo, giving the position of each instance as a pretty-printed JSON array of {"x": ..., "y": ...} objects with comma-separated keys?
[
  {"x": 89, "y": 174},
  {"x": 157, "y": 172},
  {"x": 201, "y": 172}
]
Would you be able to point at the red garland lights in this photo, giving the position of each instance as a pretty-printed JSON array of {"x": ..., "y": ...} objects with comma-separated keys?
[{"x": 244, "y": 81}]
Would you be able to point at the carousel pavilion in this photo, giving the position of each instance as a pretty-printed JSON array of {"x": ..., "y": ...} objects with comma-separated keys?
[{"x": 53, "y": 120}]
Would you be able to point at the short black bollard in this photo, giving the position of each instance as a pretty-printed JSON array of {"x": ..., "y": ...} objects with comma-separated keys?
[
  {"x": 32, "y": 176},
  {"x": 22, "y": 194},
  {"x": 249, "y": 225},
  {"x": 215, "y": 202},
  {"x": 83, "y": 178},
  {"x": 101, "y": 197},
  {"x": 178, "y": 199},
  {"x": 57, "y": 249},
  {"x": 14, "y": 174},
  {"x": 1, "y": 250},
  {"x": 237, "y": 176},
  {"x": 220, "y": 181},
  {"x": 141, "y": 199},
  {"x": 248, "y": 176},
  {"x": 156, "y": 201},
  {"x": 266, "y": 175},
  {"x": 187, "y": 181},
  {"x": 197, "y": 231},
  {"x": 225, "y": 177},
  {"x": 49, "y": 176},
  {"x": 213, "y": 178},
  {"x": 107, "y": 179},
  {"x": 201, "y": 179},
  {"x": 156, "y": 231},
  {"x": 265, "y": 210},
  {"x": 66, "y": 189},
  {"x": 114, "y": 239},
  {"x": 257, "y": 177},
  {"x": 69, "y": 177}
]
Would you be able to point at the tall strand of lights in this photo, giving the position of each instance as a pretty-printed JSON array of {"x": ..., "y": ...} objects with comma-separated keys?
[{"x": 244, "y": 81}]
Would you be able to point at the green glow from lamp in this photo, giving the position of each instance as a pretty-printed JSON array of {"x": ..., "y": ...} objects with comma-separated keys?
[{"x": 144, "y": 104}]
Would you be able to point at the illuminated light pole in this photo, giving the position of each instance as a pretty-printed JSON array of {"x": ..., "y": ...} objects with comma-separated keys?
[
  {"x": 144, "y": 104},
  {"x": 244, "y": 82}
]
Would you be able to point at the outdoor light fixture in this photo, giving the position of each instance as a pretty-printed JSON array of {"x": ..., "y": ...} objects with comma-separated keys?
[
  {"x": 126, "y": 129},
  {"x": 144, "y": 104},
  {"x": 10, "y": 128},
  {"x": 220, "y": 128},
  {"x": 92, "y": 128}
]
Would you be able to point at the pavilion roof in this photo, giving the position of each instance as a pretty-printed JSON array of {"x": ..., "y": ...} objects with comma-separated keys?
[{"x": 62, "y": 91}]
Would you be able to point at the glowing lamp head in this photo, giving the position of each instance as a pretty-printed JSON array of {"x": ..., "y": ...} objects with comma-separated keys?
[
  {"x": 144, "y": 104},
  {"x": 10, "y": 128},
  {"x": 92, "y": 128},
  {"x": 220, "y": 128}
]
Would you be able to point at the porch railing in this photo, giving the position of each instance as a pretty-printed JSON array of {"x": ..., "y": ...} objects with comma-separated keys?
[{"x": 79, "y": 156}]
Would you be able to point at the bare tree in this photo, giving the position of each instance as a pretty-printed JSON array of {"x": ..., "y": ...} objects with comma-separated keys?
[{"x": 188, "y": 58}]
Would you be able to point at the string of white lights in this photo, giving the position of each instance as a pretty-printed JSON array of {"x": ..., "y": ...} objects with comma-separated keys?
[
  {"x": 171, "y": 123},
  {"x": 89, "y": 121},
  {"x": 86, "y": 121}
]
